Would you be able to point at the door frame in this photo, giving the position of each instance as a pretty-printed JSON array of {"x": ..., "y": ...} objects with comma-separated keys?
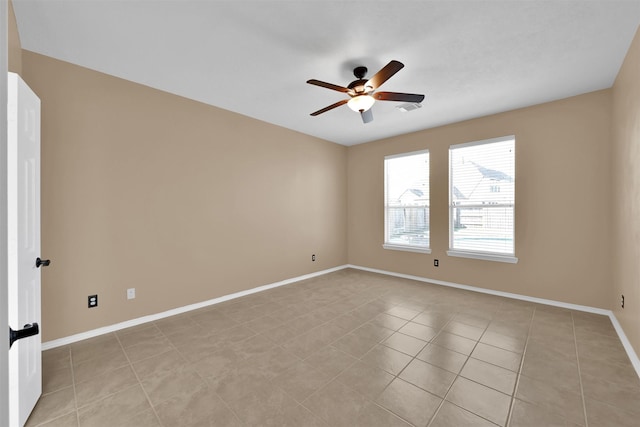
[{"x": 4, "y": 340}]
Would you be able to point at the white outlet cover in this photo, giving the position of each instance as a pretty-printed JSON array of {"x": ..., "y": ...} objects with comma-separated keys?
[{"x": 131, "y": 293}]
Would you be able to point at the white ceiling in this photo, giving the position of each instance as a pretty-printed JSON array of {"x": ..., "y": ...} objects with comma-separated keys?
[{"x": 470, "y": 58}]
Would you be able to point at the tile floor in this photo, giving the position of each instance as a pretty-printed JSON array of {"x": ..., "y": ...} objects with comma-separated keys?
[{"x": 348, "y": 349}]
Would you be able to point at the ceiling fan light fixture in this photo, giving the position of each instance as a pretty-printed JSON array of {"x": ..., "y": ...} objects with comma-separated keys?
[{"x": 361, "y": 103}]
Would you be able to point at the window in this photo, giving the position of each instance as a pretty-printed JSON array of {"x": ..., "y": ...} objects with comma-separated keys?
[
  {"x": 482, "y": 199},
  {"x": 406, "y": 202}
]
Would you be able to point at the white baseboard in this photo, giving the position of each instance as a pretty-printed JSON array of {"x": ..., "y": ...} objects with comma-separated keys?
[
  {"x": 487, "y": 291},
  {"x": 633, "y": 357},
  {"x": 152, "y": 317}
]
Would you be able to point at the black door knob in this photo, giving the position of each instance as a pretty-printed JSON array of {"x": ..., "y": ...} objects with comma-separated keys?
[
  {"x": 42, "y": 262},
  {"x": 28, "y": 331}
]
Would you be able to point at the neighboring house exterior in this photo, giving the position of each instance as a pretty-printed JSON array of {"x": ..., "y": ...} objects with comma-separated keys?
[
  {"x": 483, "y": 200},
  {"x": 409, "y": 217}
]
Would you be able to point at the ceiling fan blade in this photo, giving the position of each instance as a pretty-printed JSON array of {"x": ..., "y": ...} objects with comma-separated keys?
[
  {"x": 384, "y": 74},
  {"x": 330, "y": 107},
  {"x": 397, "y": 96},
  {"x": 367, "y": 116},
  {"x": 328, "y": 85}
]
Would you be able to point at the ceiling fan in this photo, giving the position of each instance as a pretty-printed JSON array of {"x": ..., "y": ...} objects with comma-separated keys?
[{"x": 362, "y": 91}]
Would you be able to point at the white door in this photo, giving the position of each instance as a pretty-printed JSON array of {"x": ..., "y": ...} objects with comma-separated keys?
[{"x": 23, "y": 191}]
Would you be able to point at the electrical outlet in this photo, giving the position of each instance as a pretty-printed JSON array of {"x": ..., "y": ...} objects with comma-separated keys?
[
  {"x": 436, "y": 263},
  {"x": 131, "y": 293},
  {"x": 622, "y": 302},
  {"x": 92, "y": 301},
  {"x": 313, "y": 257}
]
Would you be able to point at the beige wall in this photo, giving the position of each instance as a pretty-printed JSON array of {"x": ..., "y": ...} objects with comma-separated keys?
[
  {"x": 562, "y": 202},
  {"x": 14, "y": 48},
  {"x": 626, "y": 194},
  {"x": 183, "y": 201}
]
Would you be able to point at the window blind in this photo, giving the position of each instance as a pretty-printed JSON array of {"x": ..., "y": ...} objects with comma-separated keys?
[
  {"x": 406, "y": 200},
  {"x": 482, "y": 196}
]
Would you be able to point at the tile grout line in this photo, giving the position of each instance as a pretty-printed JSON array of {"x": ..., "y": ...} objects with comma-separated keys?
[
  {"x": 413, "y": 358},
  {"x": 280, "y": 345},
  {"x": 444, "y": 398},
  {"x": 75, "y": 400},
  {"x": 330, "y": 344},
  {"x": 73, "y": 382},
  {"x": 224, "y": 402},
  {"x": 206, "y": 382},
  {"x": 74, "y": 388},
  {"x": 359, "y": 359},
  {"x": 146, "y": 395},
  {"x": 227, "y": 404},
  {"x": 321, "y": 387},
  {"x": 257, "y": 333},
  {"x": 517, "y": 384},
  {"x": 429, "y": 342},
  {"x": 153, "y": 408},
  {"x": 575, "y": 342},
  {"x": 129, "y": 364},
  {"x": 435, "y": 414},
  {"x": 462, "y": 368}
]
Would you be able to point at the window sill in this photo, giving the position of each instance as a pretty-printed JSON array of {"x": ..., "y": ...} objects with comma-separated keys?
[
  {"x": 483, "y": 256},
  {"x": 406, "y": 248}
]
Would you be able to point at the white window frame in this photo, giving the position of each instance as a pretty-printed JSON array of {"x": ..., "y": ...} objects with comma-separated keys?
[
  {"x": 476, "y": 254},
  {"x": 396, "y": 246}
]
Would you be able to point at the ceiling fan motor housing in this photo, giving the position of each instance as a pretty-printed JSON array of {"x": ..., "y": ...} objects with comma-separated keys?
[{"x": 358, "y": 86}]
